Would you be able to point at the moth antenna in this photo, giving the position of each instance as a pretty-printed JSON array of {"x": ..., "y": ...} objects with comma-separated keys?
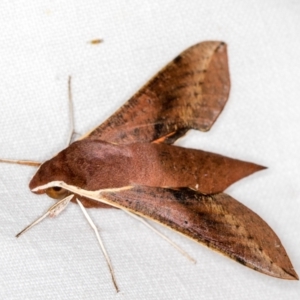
[
  {"x": 31, "y": 163},
  {"x": 71, "y": 111},
  {"x": 54, "y": 210},
  {"x": 161, "y": 235},
  {"x": 92, "y": 224}
]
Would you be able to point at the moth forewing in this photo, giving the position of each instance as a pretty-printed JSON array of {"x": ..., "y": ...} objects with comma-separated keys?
[
  {"x": 217, "y": 221},
  {"x": 189, "y": 93}
]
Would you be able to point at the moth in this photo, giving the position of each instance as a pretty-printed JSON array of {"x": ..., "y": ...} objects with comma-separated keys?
[{"x": 130, "y": 162}]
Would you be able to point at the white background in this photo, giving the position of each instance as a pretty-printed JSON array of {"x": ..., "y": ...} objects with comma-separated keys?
[{"x": 42, "y": 42}]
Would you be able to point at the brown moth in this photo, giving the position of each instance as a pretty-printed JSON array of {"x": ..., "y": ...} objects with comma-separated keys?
[{"x": 129, "y": 162}]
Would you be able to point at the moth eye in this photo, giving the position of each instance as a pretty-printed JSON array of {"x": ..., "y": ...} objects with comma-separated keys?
[{"x": 57, "y": 192}]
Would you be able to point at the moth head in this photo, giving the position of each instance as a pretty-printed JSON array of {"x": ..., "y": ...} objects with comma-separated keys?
[
  {"x": 54, "y": 171},
  {"x": 41, "y": 185},
  {"x": 85, "y": 165}
]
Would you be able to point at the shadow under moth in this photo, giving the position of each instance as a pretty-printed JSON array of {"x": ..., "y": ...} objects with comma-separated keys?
[{"x": 129, "y": 162}]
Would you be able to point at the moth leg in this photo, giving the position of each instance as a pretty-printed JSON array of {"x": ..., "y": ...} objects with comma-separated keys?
[
  {"x": 53, "y": 211},
  {"x": 161, "y": 235},
  {"x": 92, "y": 224}
]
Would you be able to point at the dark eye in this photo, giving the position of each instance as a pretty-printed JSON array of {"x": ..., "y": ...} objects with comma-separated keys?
[{"x": 57, "y": 192}]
